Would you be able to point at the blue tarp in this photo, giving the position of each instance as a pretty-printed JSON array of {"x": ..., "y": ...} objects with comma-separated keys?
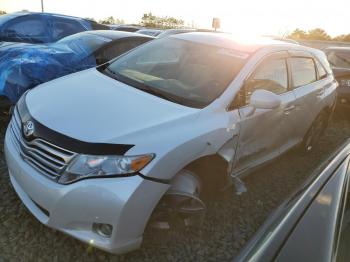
[{"x": 23, "y": 66}]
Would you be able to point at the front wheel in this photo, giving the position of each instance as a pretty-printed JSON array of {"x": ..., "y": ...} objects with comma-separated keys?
[{"x": 181, "y": 206}]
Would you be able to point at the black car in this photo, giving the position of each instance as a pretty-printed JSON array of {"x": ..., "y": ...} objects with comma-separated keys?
[
  {"x": 30, "y": 27},
  {"x": 314, "y": 224},
  {"x": 339, "y": 58}
]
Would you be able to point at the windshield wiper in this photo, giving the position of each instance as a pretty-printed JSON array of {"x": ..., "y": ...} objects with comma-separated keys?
[
  {"x": 156, "y": 92},
  {"x": 143, "y": 87},
  {"x": 149, "y": 89}
]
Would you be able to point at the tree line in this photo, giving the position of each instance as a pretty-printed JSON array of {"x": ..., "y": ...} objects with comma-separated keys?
[
  {"x": 148, "y": 20},
  {"x": 317, "y": 34}
]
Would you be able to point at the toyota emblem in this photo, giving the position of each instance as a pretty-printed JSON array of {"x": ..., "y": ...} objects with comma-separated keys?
[{"x": 28, "y": 128}]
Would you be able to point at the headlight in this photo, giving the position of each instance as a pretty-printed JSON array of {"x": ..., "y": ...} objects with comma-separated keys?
[{"x": 85, "y": 166}]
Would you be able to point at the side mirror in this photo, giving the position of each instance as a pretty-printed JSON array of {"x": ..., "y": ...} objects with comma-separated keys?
[{"x": 264, "y": 99}]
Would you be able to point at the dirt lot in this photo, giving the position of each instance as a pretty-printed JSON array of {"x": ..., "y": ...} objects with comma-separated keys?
[{"x": 231, "y": 220}]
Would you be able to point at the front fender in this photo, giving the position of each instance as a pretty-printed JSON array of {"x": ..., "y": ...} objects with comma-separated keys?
[{"x": 179, "y": 150}]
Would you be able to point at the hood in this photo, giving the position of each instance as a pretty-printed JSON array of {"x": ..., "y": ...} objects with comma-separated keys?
[
  {"x": 23, "y": 66},
  {"x": 91, "y": 107}
]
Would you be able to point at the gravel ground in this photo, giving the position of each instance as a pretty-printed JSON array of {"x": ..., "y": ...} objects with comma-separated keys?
[{"x": 231, "y": 220}]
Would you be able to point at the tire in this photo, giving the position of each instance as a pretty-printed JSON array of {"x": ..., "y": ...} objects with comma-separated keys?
[{"x": 315, "y": 132}]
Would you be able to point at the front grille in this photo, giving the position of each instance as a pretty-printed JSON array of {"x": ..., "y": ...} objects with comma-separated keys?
[{"x": 47, "y": 158}]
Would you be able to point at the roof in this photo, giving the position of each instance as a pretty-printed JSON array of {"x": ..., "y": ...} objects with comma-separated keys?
[
  {"x": 228, "y": 41},
  {"x": 127, "y": 26},
  {"x": 114, "y": 35}
]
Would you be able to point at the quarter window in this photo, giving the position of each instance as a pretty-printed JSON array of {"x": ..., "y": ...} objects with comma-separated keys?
[
  {"x": 63, "y": 28},
  {"x": 303, "y": 71},
  {"x": 271, "y": 75},
  {"x": 321, "y": 71}
]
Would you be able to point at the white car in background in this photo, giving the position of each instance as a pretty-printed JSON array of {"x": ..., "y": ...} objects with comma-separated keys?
[{"x": 102, "y": 153}]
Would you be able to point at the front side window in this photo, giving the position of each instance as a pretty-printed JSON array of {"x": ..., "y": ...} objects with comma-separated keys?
[
  {"x": 303, "y": 71},
  {"x": 188, "y": 73},
  {"x": 271, "y": 75}
]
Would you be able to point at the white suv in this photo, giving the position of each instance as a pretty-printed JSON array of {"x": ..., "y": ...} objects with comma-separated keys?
[{"x": 102, "y": 153}]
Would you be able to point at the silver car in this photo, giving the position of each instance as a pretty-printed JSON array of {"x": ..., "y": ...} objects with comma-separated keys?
[{"x": 103, "y": 153}]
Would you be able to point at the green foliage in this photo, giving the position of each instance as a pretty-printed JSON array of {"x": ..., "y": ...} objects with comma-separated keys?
[
  {"x": 343, "y": 38},
  {"x": 317, "y": 34},
  {"x": 298, "y": 34},
  {"x": 314, "y": 34},
  {"x": 111, "y": 21},
  {"x": 2, "y": 12},
  {"x": 150, "y": 20}
]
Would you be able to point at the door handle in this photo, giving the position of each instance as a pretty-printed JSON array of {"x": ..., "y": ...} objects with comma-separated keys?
[{"x": 288, "y": 109}]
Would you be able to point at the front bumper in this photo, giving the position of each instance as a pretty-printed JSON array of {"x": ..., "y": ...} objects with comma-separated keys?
[{"x": 125, "y": 203}]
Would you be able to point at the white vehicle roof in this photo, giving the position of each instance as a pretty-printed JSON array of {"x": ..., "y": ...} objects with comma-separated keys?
[{"x": 226, "y": 40}]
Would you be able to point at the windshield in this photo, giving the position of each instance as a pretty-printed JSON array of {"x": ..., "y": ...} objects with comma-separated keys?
[
  {"x": 188, "y": 73},
  {"x": 339, "y": 59},
  {"x": 84, "y": 40}
]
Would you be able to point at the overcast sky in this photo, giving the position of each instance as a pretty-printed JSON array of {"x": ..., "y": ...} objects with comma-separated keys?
[{"x": 246, "y": 17}]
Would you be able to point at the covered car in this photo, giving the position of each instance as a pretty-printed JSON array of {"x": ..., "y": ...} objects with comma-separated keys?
[
  {"x": 23, "y": 66},
  {"x": 29, "y": 27}
]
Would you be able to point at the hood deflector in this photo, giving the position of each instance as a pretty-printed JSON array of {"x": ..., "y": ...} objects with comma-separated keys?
[{"x": 67, "y": 142}]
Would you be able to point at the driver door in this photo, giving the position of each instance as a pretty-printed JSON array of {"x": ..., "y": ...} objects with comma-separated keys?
[{"x": 260, "y": 136}]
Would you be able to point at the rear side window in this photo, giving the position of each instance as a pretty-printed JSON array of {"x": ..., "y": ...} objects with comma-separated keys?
[
  {"x": 31, "y": 29},
  {"x": 321, "y": 71},
  {"x": 303, "y": 71}
]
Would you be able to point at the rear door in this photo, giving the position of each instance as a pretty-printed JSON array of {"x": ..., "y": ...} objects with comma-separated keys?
[
  {"x": 308, "y": 89},
  {"x": 260, "y": 136}
]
